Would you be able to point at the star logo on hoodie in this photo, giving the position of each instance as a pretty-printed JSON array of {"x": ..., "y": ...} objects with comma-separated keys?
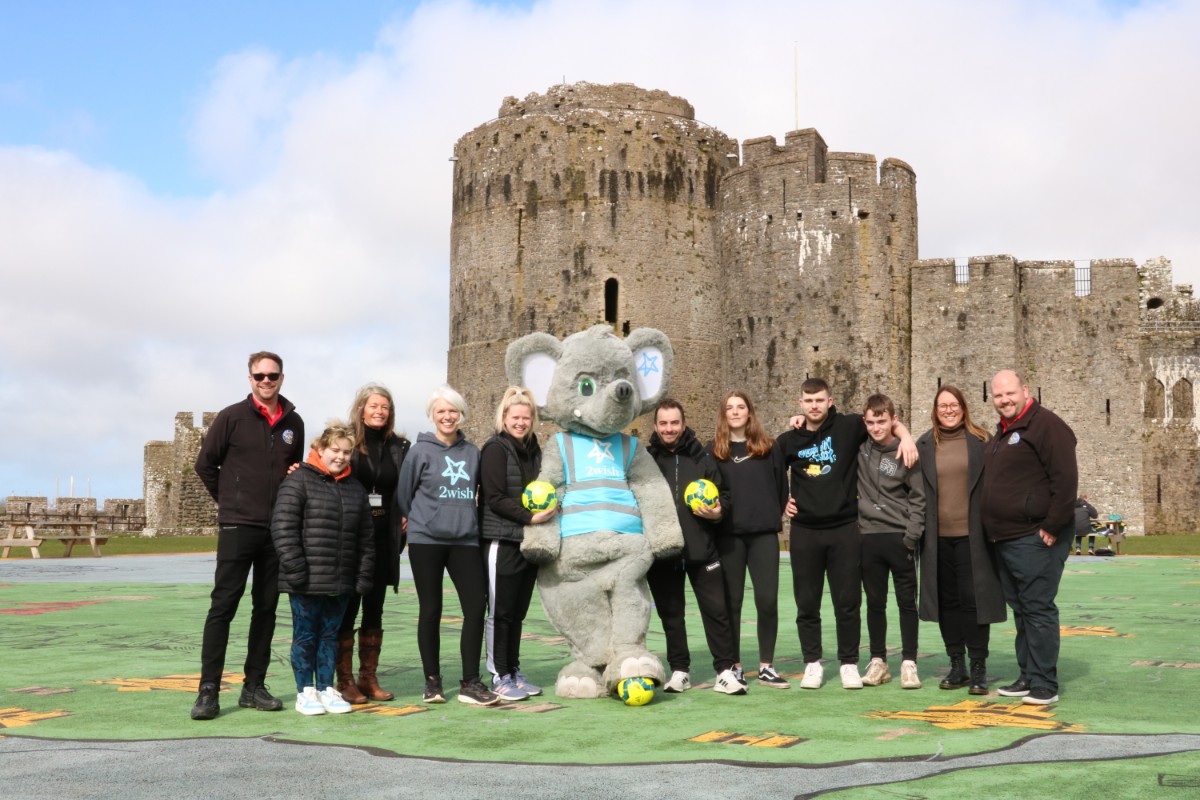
[{"x": 455, "y": 470}]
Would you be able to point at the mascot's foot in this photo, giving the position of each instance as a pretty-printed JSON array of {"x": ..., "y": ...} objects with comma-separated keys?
[
  {"x": 635, "y": 665},
  {"x": 580, "y": 681}
]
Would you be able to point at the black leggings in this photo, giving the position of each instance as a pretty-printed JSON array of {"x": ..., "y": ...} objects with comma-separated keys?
[
  {"x": 429, "y": 563},
  {"x": 957, "y": 616},
  {"x": 510, "y": 589},
  {"x": 758, "y": 553}
]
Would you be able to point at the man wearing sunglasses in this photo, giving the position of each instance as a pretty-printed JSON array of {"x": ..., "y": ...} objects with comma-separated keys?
[{"x": 250, "y": 448}]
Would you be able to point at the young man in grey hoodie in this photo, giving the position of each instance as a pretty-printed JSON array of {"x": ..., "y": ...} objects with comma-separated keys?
[{"x": 891, "y": 519}]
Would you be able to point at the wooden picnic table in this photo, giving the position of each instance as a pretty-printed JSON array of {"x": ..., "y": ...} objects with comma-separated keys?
[{"x": 69, "y": 532}]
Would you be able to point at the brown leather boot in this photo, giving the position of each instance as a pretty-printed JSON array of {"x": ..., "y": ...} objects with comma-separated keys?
[
  {"x": 369, "y": 645},
  {"x": 345, "y": 671}
]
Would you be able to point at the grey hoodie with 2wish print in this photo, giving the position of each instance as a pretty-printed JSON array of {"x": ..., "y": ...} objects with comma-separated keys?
[
  {"x": 437, "y": 491},
  {"x": 891, "y": 497}
]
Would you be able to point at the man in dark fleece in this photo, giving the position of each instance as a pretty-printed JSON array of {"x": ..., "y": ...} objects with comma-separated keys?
[
  {"x": 682, "y": 460},
  {"x": 1030, "y": 483},
  {"x": 824, "y": 539},
  {"x": 249, "y": 449}
]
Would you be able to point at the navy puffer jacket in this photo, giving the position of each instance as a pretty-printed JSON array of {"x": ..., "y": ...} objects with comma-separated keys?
[{"x": 323, "y": 533}]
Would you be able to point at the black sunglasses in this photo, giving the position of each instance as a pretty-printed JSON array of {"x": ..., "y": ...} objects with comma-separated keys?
[{"x": 268, "y": 376}]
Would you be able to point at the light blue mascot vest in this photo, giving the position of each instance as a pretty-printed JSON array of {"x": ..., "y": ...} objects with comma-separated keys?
[{"x": 597, "y": 496}]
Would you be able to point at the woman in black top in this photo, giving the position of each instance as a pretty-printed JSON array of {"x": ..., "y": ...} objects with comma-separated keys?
[
  {"x": 509, "y": 461},
  {"x": 375, "y": 463},
  {"x": 755, "y": 493}
]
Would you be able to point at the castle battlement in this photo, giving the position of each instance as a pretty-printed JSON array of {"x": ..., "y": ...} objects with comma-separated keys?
[{"x": 564, "y": 98}]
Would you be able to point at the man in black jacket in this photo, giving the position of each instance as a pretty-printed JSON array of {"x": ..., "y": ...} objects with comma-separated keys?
[
  {"x": 1030, "y": 482},
  {"x": 248, "y": 451},
  {"x": 682, "y": 460}
]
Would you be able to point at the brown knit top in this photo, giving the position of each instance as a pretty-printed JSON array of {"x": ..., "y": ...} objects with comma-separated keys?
[{"x": 952, "y": 495}]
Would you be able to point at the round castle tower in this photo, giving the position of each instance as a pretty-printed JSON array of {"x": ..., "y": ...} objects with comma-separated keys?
[
  {"x": 582, "y": 205},
  {"x": 817, "y": 249}
]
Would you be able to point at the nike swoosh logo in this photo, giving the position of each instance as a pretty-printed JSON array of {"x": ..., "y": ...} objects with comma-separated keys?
[{"x": 737, "y": 460}]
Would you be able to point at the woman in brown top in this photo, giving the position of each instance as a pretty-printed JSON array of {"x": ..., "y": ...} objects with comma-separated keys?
[{"x": 960, "y": 589}]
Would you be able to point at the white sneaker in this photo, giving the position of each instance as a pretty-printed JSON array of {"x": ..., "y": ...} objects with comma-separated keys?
[
  {"x": 727, "y": 683},
  {"x": 908, "y": 675},
  {"x": 680, "y": 682},
  {"x": 850, "y": 677},
  {"x": 332, "y": 700},
  {"x": 308, "y": 702},
  {"x": 877, "y": 673},
  {"x": 814, "y": 675}
]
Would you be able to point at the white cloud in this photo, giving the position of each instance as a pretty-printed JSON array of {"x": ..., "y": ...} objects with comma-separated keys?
[{"x": 1042, "y": 130}]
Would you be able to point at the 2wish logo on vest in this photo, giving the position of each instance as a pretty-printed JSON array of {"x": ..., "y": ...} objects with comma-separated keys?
[{"x": 597, "y": 496}]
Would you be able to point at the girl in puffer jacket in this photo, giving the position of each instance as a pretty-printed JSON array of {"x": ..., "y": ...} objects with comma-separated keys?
[{"x": 322, "y": 530}]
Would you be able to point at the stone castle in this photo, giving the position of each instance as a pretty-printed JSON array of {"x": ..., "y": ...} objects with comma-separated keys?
[{"x": 766, "y": 264}]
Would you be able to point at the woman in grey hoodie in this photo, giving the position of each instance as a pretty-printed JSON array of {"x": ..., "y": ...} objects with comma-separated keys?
[{"x": 439, "y": 484}]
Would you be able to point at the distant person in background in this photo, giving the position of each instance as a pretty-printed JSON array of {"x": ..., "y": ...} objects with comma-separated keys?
[
  {"x": 322, "y": 530},
  {"x": 508, "y": 462},
  {"x": 960, "y": 588},
  {"x": 1085, "y": 512},
  {"x": 375, "y": 463},
  {"x": 250, "y": 448}
]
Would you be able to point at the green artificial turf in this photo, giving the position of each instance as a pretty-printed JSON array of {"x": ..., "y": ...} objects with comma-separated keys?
[{"x": 119, "y": 661}]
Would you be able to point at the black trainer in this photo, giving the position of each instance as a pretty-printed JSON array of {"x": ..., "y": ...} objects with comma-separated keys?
[
  {"x": 1040, "y": 696},
  {"x": 207, "y": 705},
  {"x": 433, "y": 690},
  {"x": 473, "y": 692},
  {"x": 1018, "y": 688},
  {"x": 258, "y": 697}
]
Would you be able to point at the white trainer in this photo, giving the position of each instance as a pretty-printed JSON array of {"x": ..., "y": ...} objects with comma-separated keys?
[
  {"x": 680, "y": 682},
  {"x": 850, "y": 677},
  {"x": 727, "y": 683},
  {"x": 814, "y": 675},
  {"x": 908, "y": 675},
  {"x": 332, "y": 700},
  {"x": 308, "y": 702},
  {"x": 877, "y": 673}
]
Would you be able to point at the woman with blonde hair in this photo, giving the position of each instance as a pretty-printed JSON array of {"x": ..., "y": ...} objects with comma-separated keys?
[
  {"x": 960, "y": 587},
  {"x": 755, "y": 490},
  {"x": 376, "y": 461},
  {"x": 509, "y": 461},
  {"x": 437, "y": 494}
]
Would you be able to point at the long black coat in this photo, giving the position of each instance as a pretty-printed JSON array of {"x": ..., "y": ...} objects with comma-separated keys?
[
  {"x": 388, "y": 547},
  {"x": 323, "y": 534},
  {"x": 989, "y": 598}
]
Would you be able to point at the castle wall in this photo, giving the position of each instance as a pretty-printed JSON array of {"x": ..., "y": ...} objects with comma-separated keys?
[
  {"x": 117, "y": 515},
  {"x": 177, "y": 503},
  {"x": 1075, "y": 353},
  {"x": 560, "y": 195},
  {"x": 817, "y": 248},
  {"x": 1170, "y": 363}
]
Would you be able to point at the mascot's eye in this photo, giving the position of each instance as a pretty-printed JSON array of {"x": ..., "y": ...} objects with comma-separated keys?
[{"x": 587, "y": 387}]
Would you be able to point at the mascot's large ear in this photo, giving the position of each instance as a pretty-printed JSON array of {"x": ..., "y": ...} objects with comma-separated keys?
[
  {"x": 530, "y": 362},
  {"x": 653, "y": 359}
]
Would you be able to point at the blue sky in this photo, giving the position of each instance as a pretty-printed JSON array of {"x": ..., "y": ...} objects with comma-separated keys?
[{"x": 184, "y": 183}]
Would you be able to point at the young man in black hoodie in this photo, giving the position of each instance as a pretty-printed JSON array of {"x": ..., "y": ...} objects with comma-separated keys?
[
  {"x": 821, "y": 451},
  {"x": 682, "y": 460}
]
